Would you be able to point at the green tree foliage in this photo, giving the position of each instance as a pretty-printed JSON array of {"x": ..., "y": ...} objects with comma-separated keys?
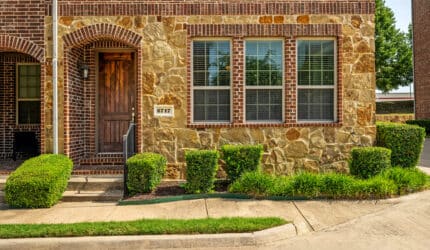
[{"x": 393, "y": 51}]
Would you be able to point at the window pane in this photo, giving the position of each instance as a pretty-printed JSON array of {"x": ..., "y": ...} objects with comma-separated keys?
[
  {"x": 264, "y": 105},
  {"x": 264, "y": 78},
  {"x": 316, "y": 104},
  {"x": 251, "y": 77},
  {"x": 29, "y": 81},
  {"x": 199, "y": 112},
  {"x": 211, "y": 63},
  {"x": 276, "y": 77},
  {"x": 28, "y": 112},
  {"x": 211, "y": 105},
  {"x": 315, "y": 62},
  {"x": 263, "y": 58}
]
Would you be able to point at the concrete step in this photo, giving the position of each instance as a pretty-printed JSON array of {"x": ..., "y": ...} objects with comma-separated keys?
[
  {"x": 3, "y": 181},
  {"x": 73, "y": 196},
  {"x": 95, "y": 183},
  {"x": 87, "y": 183}
]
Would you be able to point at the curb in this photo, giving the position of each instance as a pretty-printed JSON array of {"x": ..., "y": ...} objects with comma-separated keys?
[{"x": 155, "y": 241}]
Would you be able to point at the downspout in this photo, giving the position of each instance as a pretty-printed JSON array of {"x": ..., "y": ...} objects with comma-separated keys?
[{"x": 55, "y": 76}]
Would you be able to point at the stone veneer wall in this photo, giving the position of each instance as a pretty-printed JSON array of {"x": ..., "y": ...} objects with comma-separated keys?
[{"x": 164, "y": 62}]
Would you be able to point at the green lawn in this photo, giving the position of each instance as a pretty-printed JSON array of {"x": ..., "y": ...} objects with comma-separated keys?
[{"x": 140, "y": 227}]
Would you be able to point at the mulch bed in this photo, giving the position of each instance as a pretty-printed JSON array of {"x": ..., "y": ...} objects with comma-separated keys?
[{"x": 174, "y": 188}]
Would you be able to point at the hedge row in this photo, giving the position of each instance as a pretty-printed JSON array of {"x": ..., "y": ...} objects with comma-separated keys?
[
  {"x": 399, "y": 107},
  {"x": 422, "y": 123},
  {"x": 39, "y": 182},
  {"x": 308, "y": 185},
  {"x": 404, "y": 141}
]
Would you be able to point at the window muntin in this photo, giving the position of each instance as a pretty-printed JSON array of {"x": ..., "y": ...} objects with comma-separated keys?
[
  {"x": 211, "y": 81},
  {"x": 316, "y": 80},
  {"x": 28, "y": 94},
  {"x": 264, "y": 80}
]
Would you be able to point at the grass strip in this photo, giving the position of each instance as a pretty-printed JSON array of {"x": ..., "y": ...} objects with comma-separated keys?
[{"x": 141, "y": 227}]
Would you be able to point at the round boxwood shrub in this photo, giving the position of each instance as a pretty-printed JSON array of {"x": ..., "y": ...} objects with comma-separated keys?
[
  {"x": 369, "y": 161},
  {"x": 405, "y": 141},
  {"x": 39, "y": 182},
  {"x": 145, "y": 172},
  {"x": 201, "y": 170},
  {"x": 240, "y": 159}
]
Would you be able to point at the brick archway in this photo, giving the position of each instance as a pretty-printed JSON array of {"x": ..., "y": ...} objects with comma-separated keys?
[
  {"x": 79, "y": 46},
  {"x": 101, "y": 31},
  {"x": 23, "y": 46},
  {"x": 18, "y": 45}
]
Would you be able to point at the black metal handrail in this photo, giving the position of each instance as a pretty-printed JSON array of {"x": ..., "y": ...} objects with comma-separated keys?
[{"x": 129, "y": 149}]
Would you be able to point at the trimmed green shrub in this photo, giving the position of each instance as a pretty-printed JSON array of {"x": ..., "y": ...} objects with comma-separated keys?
[
  {"x": 241, "y": 158},
  {"x": 39, "y": 182},
  {"x": 145, "y": 172},
  {"x": 201, "y": 170},
  {"x": 407, "y": 180},
  {"x": 254, "y": 183},
  {"x": 405, "y": 142},
  {"x": 369, "y": 161},
  {"x": 422, "y": 123}
]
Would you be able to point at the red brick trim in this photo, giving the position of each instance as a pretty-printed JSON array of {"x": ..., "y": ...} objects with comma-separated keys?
[
  {"x": 22, "y": 45},
  {"x": 287, "y": 31},
  {"x": 261, "y": 30},
  {"x": 193, "y": 7},
  {"x": 101, "y": 31}
]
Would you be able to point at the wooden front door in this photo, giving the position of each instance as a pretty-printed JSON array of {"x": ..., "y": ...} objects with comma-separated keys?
[{"x": 116, "y": 99}]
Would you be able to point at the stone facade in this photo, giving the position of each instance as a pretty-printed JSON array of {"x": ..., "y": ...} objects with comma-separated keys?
[
  {"x": 161, "y": 35},
  {"x": 421, "y": 33}
]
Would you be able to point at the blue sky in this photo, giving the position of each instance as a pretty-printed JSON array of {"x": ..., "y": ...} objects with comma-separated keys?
[{"x": 402, "y": 12}]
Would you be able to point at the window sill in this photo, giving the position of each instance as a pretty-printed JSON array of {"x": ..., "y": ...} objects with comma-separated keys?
[{"x": 260, "y": 125}]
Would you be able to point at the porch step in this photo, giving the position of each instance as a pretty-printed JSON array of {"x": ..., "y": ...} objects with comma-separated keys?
[
  {"x": 74, "y": 196},
  {"x": 3, "y": 181},
  {"x": 95, "y": 183},
  {"x": 86, "y": 188},
  {"x": 86, "y": 183}
]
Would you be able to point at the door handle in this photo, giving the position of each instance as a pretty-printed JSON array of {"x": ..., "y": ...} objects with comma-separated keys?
[{"x": 132, "y": 114}]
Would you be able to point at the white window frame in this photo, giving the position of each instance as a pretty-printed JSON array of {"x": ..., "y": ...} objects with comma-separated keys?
[
  {"x": 230, "y": 87},
  {"x": 265, "y": 87},
  {"x": 18, "y": 99},
  {"x": 334, "y": 86}
]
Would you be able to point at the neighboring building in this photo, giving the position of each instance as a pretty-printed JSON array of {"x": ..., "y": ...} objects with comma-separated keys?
[
  {"x": 421, "y": 33},
  {"x": 295, "y": 76}
]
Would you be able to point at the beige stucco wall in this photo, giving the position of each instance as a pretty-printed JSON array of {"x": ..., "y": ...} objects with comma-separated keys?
[{"x": 164, "y": 82}]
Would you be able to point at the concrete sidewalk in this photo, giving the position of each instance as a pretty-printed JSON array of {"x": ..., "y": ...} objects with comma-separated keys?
[
  {"x": 310, "y": 219},
  {"x": 307, "y": 216}
]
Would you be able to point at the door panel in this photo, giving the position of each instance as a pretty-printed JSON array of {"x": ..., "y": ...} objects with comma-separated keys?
[{"x": 116, "y": 99}]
